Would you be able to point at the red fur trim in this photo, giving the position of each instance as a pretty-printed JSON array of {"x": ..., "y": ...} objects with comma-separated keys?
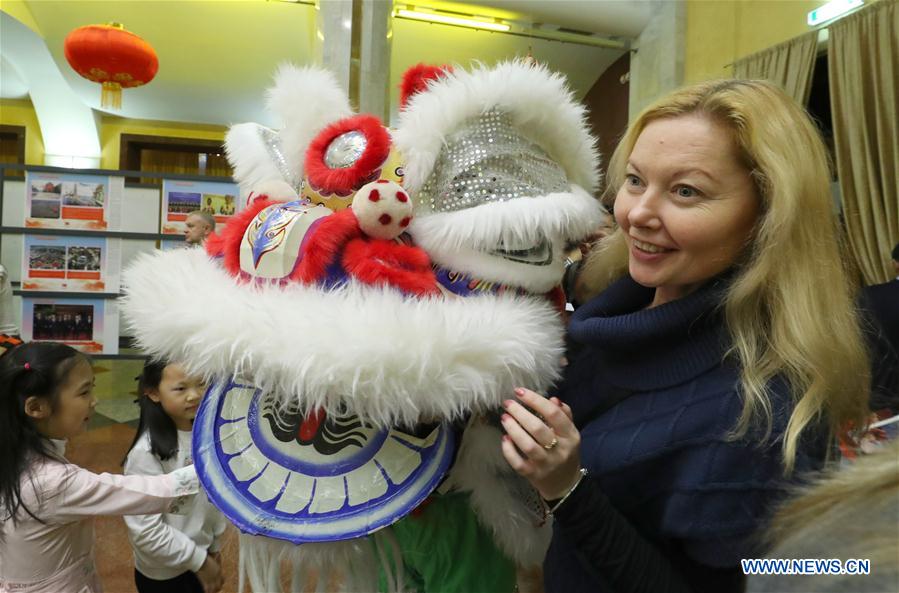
[
  {"x": 325, "y": 243},
  {"x": 228, "y": 242},
  {"x": 415, "y": 80},
  {"x": 214, "y": 244},
  {"x": 557, "y": 298},
  {"x": 385, "y": 262},
  {"x": 344, "y": 182}
]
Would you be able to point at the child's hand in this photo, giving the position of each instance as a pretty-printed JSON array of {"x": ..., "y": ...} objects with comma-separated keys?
[
  {"x": 217, "y": 556},
  {"x": 210, "y": 575}
]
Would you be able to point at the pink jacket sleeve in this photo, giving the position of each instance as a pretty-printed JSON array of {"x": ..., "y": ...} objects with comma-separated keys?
[{"x": 72, "y": 493}]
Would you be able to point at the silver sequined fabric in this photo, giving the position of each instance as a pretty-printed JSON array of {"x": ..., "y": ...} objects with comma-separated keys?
[
  {"x": 272, "y": 142},
  {"x": 487, "y": 160}
]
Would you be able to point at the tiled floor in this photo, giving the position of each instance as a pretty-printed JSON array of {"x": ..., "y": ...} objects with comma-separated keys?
[{"x": 102, "y": 449}]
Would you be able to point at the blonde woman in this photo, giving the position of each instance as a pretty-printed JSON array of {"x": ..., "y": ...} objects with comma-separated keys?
[{"x": 719, "y": 358}]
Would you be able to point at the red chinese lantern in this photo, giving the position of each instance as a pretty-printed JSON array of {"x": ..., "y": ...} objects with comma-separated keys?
[{"x": 112, "y": 56}]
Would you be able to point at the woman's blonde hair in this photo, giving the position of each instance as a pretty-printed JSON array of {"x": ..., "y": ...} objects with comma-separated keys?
[{"x": 790, "y": 309}]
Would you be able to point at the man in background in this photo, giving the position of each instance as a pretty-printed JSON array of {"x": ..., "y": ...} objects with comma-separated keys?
[{"x": 199, "y": 225}]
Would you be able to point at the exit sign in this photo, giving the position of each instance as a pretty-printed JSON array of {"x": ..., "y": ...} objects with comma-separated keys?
[{"x": 832, "y": 10}]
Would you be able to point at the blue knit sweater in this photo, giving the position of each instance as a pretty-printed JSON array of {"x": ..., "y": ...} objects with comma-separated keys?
[{"x": 670, "y": 504}]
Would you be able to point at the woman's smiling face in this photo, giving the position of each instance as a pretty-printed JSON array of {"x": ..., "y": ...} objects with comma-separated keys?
[{"x": 687, "y": 205}]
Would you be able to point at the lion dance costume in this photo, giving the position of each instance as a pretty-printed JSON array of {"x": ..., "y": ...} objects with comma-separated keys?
[{"x": 363, "y": 318}]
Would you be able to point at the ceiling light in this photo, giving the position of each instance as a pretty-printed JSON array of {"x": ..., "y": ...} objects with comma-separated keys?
[
  {"x": 832, "y": 10},
  {"x": 443, "y": 19}
]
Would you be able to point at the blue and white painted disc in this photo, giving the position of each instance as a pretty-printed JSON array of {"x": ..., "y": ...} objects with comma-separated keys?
[{"x": 303, "y": 480}]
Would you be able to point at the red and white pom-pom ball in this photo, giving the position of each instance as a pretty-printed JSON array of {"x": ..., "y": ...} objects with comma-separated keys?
[{"x": 383, "y": 209}]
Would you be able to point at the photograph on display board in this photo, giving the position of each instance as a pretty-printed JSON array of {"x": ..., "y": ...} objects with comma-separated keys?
[
  {"x": 180, "y": 198},
  {"x": 80, "y": 323},
  {"x": 61, "y": 200},
  {"x": 63, "y": 323},
  {"x": 182, "y": 203},
  {"x": 78, "y": 264},
  {"x": 47, "y": 261},
  {"x": 86, "y": 259},
  {"x": 88, "y": 195},
  {"x": 45, "y": 199},
  {"x": 218, "y": 205}
]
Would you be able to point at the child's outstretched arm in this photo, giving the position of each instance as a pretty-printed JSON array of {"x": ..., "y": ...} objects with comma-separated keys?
[{"x": 71, "y": 493}]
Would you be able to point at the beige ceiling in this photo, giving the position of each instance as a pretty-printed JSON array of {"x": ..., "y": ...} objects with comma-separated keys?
[{"x": 216, "y": 57}]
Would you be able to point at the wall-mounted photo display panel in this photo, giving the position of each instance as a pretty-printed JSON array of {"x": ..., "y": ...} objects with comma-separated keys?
[
  {"x": 90, "y": 325},
  {"x": 77, "y": 264},
  {"x": 175, "y": 243},
  {"x": 72, "y": 201},
  {"x": 180, "y": 198}
]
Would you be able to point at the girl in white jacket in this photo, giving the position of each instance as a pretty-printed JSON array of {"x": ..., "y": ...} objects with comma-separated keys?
[
  {"x": 47, "y": 504},
  {"x": 172, "y": 552}
]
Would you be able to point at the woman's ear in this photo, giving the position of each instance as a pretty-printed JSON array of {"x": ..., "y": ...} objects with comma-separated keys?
[{"x": 37, "y": 407}]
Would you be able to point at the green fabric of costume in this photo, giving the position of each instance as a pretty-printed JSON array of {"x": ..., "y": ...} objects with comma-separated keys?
[{"x": 446, "y": 550}]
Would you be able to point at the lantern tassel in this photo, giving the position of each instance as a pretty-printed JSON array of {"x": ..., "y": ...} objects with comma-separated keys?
[{"x": 111, "y": 97}]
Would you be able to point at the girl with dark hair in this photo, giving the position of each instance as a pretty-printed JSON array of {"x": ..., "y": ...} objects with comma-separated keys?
[
  {"x": 172, "y": 553},
  {"x": 46, "y": 503}
]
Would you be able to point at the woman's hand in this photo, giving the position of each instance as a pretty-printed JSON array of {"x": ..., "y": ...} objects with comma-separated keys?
[{"x": 551, "y": 460}]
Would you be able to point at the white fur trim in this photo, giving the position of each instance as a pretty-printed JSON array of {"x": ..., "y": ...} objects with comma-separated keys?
[
  {"x": 459, "y": 240},
  {"x": 276, "y": 189},
  {"x": 249, "y": 157},
  {"x": 570, "y": 216},
  {"x": 539, "y": 101},
  {"x": 496, "y": 495},
  {"x": 347, "y": 566},
  {"x": 307, "y": 100},
  {"x": 390, "y": 359},
  {"x": 492, "y": 268}
]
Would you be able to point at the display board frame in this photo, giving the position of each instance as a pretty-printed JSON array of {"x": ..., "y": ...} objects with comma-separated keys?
[{"x": 70, "y": 263}]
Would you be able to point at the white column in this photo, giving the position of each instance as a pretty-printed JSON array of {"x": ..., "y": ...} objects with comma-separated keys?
[
  {"x": 353, "y": 41},
  {"x": 333, "y": 32},
  {"x": 657, "y": 66},
  {"x": 374, "y": 70}
]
